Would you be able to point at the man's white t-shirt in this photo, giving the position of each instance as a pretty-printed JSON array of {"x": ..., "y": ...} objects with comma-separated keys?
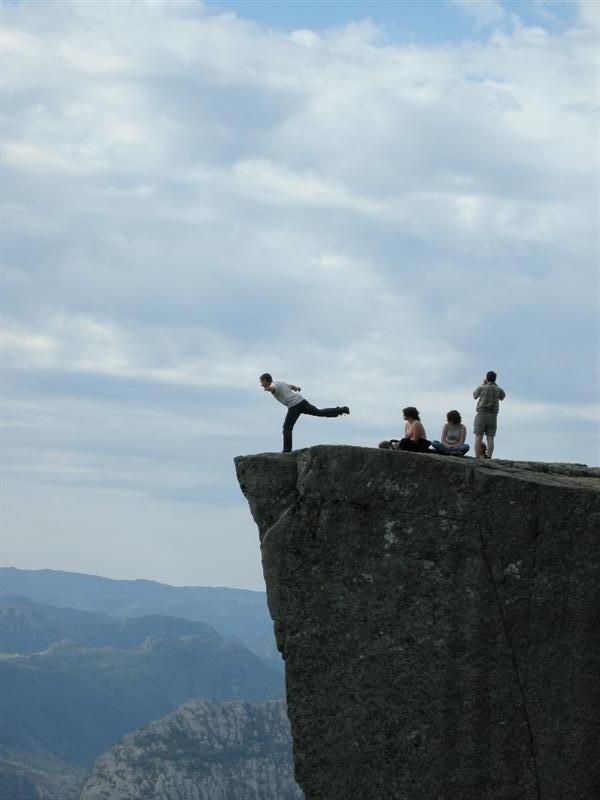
[{"x": 285, "y": 394}]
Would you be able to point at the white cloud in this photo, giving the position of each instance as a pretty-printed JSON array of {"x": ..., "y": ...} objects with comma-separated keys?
[
  {"x": 589, "y": 13},
  {"x": 484, "y": 12},
  {"x": 276, "y": 184}
]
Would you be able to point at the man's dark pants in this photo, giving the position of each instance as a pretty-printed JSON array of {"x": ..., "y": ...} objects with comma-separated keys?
[{"x": 294, "y": 412}]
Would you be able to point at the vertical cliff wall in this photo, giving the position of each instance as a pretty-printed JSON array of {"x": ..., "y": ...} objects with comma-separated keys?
[{"x": 439, "y": 620}]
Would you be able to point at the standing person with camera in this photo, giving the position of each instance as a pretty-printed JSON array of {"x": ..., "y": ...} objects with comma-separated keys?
[{"x": 488, "y": 395}]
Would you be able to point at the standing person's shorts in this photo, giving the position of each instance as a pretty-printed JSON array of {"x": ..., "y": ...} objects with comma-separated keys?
[{"x": 486, "y": 423}]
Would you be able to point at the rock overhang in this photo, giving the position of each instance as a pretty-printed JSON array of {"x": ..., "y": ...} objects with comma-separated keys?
[{"x": 429, "y": 578}]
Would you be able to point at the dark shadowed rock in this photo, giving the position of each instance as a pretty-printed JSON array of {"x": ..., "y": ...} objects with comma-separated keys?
[
  {"x": 439, "y": 620},
  {"x": 202, "y": 751}
]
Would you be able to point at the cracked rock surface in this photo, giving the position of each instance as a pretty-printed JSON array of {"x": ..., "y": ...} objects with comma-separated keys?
[{"x": 439, "y": 620}]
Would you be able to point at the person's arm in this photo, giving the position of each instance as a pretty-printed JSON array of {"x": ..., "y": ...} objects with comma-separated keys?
[
  {"x": 444, "y": 435},
  {"x": 270, "y": 388},
  {"x": 477, "y": 392},
  {"x": 463, "y": 434},
  {"x": 502, "y": 394},
  {"x": 294, "y": 388}
]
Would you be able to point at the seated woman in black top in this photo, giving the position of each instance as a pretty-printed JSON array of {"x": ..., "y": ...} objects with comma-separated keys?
[{"x": 415, "y": 438}]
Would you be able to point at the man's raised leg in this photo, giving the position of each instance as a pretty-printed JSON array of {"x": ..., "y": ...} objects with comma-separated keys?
[{"x": 308, "y": 408}]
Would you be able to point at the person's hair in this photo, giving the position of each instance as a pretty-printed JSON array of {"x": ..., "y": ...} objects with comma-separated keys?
[
  {"x": 411, "y": 412},
  {"x": 266, "y": 377},
  {"x": 491, "y": 376},
  {"x": 453, "y": 417}
]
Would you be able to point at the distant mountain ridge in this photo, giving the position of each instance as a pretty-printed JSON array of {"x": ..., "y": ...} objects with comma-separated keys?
[
  {"x": 61, "y": 708},
  {"x": 75, "y": 702},
  {"x": 29, "y": 627},
  {"x": 233, "y": 612}
]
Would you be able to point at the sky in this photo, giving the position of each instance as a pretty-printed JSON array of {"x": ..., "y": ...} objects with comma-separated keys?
[{"x": 377, "y": 201}]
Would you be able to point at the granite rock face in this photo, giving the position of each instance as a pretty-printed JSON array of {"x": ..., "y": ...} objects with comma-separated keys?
[
  {"x": 202, "y": 751},
  {"x": 439, "y": 619}
]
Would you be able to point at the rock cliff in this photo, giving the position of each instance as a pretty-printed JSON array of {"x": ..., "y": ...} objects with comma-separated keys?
[
  {"x": 439, "y": 620},
  {"x": 202, "y": 751}
]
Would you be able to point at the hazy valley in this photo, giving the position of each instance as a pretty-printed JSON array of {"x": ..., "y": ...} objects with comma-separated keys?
[{"x": 74, "y": 682}]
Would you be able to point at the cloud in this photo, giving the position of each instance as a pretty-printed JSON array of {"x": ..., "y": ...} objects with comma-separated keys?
[
  {"x": 276, "y": 184},
  {"x": 589, "y": 13},
  {"x": 483, "y": 12},
  {"x": 190, "y": 199}
]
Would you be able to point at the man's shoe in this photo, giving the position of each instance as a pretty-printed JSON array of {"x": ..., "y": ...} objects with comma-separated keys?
[{"x": 344, "y": 410}]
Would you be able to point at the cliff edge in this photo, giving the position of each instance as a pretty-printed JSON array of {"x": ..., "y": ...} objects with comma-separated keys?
[{"x": 439, "y": 621}]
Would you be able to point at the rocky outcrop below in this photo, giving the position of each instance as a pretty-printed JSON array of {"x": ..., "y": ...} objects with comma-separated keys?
[
  {"x": 202, "y": 751},
  {"x": 438, "y": 618}
]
